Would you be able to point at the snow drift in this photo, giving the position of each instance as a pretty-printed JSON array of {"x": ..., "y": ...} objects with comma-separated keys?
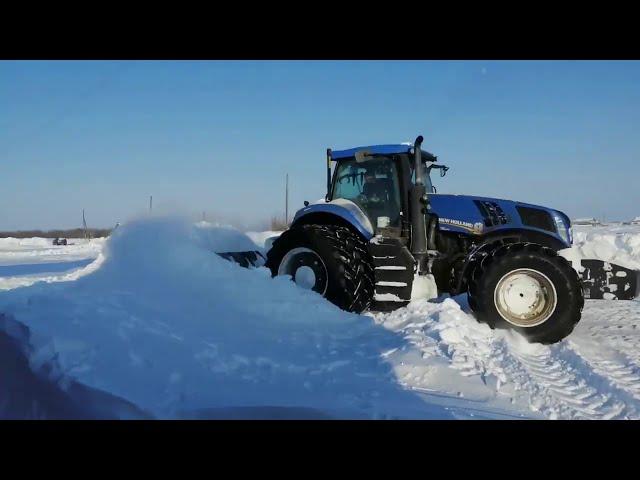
[
  {"x": 615, "y": 244},
  {"x": 160, "y": 326},
  {"x": 178, "y": 331}
]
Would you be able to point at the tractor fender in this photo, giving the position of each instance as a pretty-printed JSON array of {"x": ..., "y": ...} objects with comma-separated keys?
[
  {"x": 474, "y": 255},
  {"x": 526, "y": 235},
  {"x": 338, "y": 212},
  {"x": 461, "y": 261}
]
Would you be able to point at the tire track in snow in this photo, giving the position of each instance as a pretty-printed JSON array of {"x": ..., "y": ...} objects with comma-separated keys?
[
  {"x": 570, "y": 388},
  {"x": 545, "y": 377},
  {"x": 557, "y": 381},
  {"x": 622, "y": 375},
  {"x": 607, "y": 340}
]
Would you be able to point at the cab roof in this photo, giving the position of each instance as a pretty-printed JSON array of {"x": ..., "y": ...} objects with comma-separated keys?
[{"x": 388, "y": 149}]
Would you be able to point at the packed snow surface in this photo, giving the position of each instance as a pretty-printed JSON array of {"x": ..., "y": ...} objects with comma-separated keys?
[{"x": 174, "y": 331}]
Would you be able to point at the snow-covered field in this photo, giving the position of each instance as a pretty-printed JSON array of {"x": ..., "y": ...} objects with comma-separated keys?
[
  {"x": 152, "y": 323},
  {"x": 24, "y": 261}
]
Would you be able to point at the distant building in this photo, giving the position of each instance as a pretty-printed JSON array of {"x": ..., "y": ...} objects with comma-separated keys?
[
  {"x": 635, "y": 221},
  {"x": 586, "y": 221}
]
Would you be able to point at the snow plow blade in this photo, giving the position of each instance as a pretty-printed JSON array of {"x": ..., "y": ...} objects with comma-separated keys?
[
  {"x": 244, "y": 259},
  {"x": 608, "y": 281}
]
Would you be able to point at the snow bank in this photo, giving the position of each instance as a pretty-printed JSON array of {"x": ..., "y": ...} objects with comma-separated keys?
[
  {"x": 620, "y": 245},
  {"x": 25, "y": 242},
  {"x": 10, "y": 243},
  {"x": 24, "y": 251},
  {"x": 179, "y": 331}
]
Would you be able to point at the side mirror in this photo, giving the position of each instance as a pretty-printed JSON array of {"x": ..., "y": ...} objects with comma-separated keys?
[
  {"x": 306, "y": 203},
  {"x": 443, "y": 169}
]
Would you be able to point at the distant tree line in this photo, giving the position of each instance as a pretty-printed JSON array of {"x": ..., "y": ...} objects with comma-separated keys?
[{"x": 72, "y": 233}]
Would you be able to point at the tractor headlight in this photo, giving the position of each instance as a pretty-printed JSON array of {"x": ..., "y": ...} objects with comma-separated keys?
[{"x": 563, "y": 229}]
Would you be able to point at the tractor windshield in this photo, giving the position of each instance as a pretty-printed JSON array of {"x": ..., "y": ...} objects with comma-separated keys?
[{"x": 373, "y": 185}]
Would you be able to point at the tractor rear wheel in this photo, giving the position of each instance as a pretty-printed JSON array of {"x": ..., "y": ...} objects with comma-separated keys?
[
  {"x": 528, "y": 288},
  {"x": 330, "y": 260}
]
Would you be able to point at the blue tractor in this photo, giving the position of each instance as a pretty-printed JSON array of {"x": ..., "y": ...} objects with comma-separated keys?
[{"x": 383, "y": 225}]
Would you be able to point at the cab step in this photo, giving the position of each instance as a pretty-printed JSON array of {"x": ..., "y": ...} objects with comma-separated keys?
[{"x": 394, "y": 269}]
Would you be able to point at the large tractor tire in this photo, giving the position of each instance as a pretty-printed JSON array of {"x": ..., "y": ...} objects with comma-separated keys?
[
  {"x": 330, "y": 260},
  {"x": 527, "y": 288}
]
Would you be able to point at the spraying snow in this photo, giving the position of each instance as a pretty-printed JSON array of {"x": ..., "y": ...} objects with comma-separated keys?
[{"x": 173, "y": 328}]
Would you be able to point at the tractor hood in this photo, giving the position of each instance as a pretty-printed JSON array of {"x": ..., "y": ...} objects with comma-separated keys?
[
  {"x": 466, "y": 214},
  {"x": 483, "y": 215}
]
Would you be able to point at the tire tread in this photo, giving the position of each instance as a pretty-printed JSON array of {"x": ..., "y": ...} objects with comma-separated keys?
[
  {"x": 349, "y": 264},
  {"x": 500, "y": 254}
]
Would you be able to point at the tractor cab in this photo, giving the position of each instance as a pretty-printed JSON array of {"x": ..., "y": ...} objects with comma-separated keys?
[
  {"x": 378, "y": 179},
  {"x": 374, "y": 185}
]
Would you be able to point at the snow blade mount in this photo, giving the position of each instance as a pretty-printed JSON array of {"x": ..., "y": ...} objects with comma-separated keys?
[
  {"x": 246, "y": 259},
  {"x": 608, "y": 281}
]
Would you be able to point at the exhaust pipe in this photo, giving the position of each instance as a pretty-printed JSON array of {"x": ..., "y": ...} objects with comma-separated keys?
[
  {"x": 419, "y": 201},
  {"x": 326, "y": 197},
  {"x": 417, "y": 151}
]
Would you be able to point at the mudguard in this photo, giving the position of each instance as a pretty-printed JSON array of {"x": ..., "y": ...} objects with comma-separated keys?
[
  {"x": 345, "y": 209},
  {"x": 608, "y": 281}
]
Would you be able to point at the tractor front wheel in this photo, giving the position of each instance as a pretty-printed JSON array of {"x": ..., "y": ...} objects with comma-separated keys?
[
  {"x": 330, "y": 260},
  {"x": 528, "y": 288}
]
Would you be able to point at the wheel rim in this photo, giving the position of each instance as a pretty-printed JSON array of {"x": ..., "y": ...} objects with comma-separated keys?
[
  {"x": 525, "y": 297},
  {"x": 306, "y": 269}
]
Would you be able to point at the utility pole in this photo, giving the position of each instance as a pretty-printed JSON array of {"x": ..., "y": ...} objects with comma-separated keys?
[
  {"x": 84, "y": 226},
  {"x": 151, "y": 204},
  {"x": 204, "y": 217},
  {"x": 286, "y": 201}
]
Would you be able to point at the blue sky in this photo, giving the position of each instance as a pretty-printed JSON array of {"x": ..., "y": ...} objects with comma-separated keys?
[{"x": 220, "y": 136}]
